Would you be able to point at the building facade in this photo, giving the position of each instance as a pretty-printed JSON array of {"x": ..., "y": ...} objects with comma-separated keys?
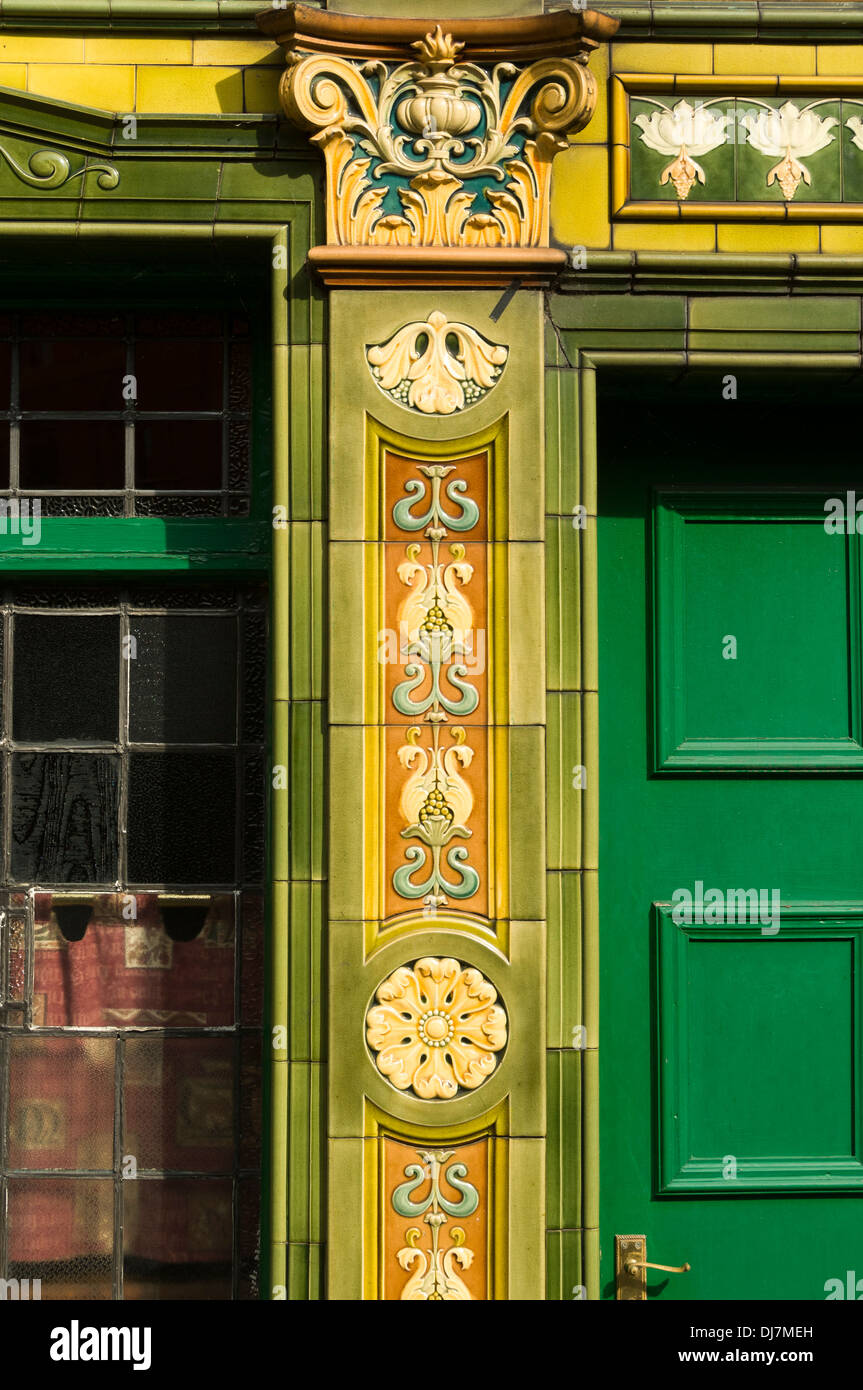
[{"x": 432, "y": 659}]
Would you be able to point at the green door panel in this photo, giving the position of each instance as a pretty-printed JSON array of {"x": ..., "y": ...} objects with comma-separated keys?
[
  {"x": 731, "y": 1057},
  {"x": 725, "y": 713}
]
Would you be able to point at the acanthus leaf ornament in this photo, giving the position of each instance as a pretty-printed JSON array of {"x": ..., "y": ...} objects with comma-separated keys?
[
  {"x": 437, "y": 367},
  {"x": 437, "y": 151}
]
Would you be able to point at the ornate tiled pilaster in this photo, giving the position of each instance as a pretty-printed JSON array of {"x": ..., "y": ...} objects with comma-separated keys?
[{"x": 438, "y": 141}]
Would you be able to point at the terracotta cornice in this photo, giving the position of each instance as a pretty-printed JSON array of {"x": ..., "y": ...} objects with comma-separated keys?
[
  {"x": 389, "y": 267},
  {"x": 560, "y": 33}
]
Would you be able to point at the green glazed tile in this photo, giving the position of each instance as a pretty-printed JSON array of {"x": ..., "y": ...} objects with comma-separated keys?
[
  {"x": 346, "y": 842},
  {"x": 561, "y": 442},
  {"x": 745, "y": 315},
  {"x": 605, "y": 340},
  {"x": 526, "y": 834},
  {"x": 624, "y": 312},
  {"x": 307, "y": 424},
  {"x": 347, "y": 631},
  {"x": 563, "y": 1148},
  {"x": 157, "y": 180},
  {"x": 563, "y": 946},
  {"x": 307, "y": 927},
  {"x": 564, "y": 1265},
  {"x": 267, "y": 180},
  {"x": 307, "y": 790},
  {"x": 852, "y": 153},
  {"x": 526, "y": 634},
  {"x": 305, "y": 1140},
  {"x": 564, "y": 754},
  {"x": 753, "y": 167},
  {"x": 280, "y": 796},
  {"x": 767, "y": 342},
  {"x": 307, "y": 600},
  {"x": 563, "y": 603},
  {"x": 298, "y": 1272},
  {"x": 648, "y": 165}
]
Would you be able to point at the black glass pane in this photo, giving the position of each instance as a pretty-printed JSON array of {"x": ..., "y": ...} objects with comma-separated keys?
[
  {"x": 4, "y": 461},
  {"x": 66, "y": 679},
  {"x": 54, "y": 505},
  {"x": 189, "y": 596},
  {"x": 189, "y": 505},
  {"x": 189, "y": 325},
  {"x": 72, "y": 325},
  {"x": 180, "y": 374},
  {"x": 76, "y": 454},
  {"x": 183, "y": 679},
  {"x": 72, "y": 374},
  {"x": 64, "y": 817},
  {"x": 238, "y": 454},
  {"x": 181, "y": 817},
  {"x": 253, "y": 819},
  {"x": 5, "y": 375},
  {"x": 178, "y": 454},
  {"x": 254, "y": 677},
  {"x": 240, "y": 379}
]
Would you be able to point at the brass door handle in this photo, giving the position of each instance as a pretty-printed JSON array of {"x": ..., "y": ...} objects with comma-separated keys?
[{"x": 630, "y": 1263}]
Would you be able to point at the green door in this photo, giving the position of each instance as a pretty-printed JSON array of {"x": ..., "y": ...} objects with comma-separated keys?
[{"x": 731, "y": 841}]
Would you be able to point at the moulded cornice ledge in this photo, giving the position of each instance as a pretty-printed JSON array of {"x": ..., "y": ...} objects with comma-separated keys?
[
  {"x": 438, "y": 132},
  {"x": 418, "y": 266},
  {"x": 560, "y": 33}
]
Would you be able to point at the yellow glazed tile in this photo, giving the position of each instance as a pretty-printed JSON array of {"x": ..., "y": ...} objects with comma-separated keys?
[
  {"x": 235, "y": 53},
  {"x": 842, "y": 241},
  {"x": 262, "y": 90},
  {"x": 668, "y": 237},
  {"x": 762, "y": 238},
  {"x": 663, "y": 57},
  {"x": 119, "y": 49},
  {"x": 579, "y": 197},
  {"x": 763, "y": 59},
  {"x": 22, "y": 48},
  {"x": 839, "y": 60},
  {"x": 597, "y": 128},
  {"x": 189, "y": 89},
  {"x": 110, "y": 88},
  {"x": 13, "y": 75}
]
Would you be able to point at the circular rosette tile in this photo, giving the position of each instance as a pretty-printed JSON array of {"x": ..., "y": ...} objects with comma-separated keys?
[{"x": 436, "y": 1027}]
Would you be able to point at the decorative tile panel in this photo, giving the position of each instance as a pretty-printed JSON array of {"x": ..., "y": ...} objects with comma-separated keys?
[
  {"x": 438, "y": 699},
  {"x": 694, "y": 147}
]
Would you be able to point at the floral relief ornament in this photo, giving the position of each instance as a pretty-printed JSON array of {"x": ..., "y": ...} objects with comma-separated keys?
[
  {"x": 682, "y": 131},
  {"x": 435, "y": 1028},
  {"x": 436, "y": 367},
  {"x": 792, "y": 134}
]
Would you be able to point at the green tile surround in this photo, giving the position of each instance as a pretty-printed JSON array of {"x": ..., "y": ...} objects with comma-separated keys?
[{"x": 591, "y": 333}]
